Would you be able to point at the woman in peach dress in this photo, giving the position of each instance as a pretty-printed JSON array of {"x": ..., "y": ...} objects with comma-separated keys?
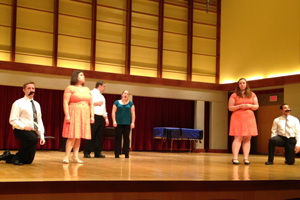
[
  {"x": 242, "y": 124},
  {"x": 79, "y": 114}
]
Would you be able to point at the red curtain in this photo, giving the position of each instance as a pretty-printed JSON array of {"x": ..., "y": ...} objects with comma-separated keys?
[
  {"x": 159, "y": 112},
  {"x": 8, "y": 96},
  {"x": 150, "y": 112}
]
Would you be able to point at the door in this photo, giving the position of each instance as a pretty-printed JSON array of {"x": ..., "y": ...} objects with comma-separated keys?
[{"x": 265, "y": 118}]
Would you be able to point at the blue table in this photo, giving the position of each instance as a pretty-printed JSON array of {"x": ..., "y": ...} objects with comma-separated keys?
[{"x": 178, "y": 134}]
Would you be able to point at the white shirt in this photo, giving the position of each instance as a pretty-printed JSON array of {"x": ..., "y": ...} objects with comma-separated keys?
[
  {"x": 21, "y": 115},
  {"x": 97, "y": 96},
  {"x": 279, "y": 127}
]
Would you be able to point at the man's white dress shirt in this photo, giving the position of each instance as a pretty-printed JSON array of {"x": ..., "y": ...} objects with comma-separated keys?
[
  {"x": 21, "y": 115},
  {"x": 287, "y": 127},
  {"x": 97, "y": 96}
]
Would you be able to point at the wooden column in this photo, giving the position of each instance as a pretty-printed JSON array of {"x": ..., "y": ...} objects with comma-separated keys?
[
  {"x": 13, "y": 31},
  {"x": 128, "y": 38},
  {"x": 218, "y": 41},
  {"x": 160, "y": 39},
  {"x": 93, "y": 35},
  {"x": 190, "y": 41},
  {"x": 55, "y": 33}
]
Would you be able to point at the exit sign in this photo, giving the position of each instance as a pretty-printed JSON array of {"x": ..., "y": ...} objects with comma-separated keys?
[{"x": 273, "y": 98}]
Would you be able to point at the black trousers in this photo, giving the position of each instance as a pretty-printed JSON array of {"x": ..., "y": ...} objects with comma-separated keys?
[
  {"x": 28, "y": 148},
  {"x": 96, "y": 132},
  {"x": 122, "y": 130},
  {"x": 289, "y": 148}
]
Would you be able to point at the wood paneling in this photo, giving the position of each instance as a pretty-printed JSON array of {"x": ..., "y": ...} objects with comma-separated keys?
[
  {"x": 106, "y": 76},
  {"x": 148, "y": 80},
  {"x": 265, "y": 117}
]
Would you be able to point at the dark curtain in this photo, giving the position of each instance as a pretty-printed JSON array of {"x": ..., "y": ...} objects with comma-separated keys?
[
  {"x": 159, "y": 112},
  {"x": 9, "y": 95}
]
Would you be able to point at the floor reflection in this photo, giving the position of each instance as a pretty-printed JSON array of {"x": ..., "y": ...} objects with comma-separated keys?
[
  {"x": 71, "y": 171},
  {"x": 236, "y": 175}
]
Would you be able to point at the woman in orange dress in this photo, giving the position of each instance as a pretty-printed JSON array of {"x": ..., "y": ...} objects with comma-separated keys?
[
  {"x": 242, "y": 124},
  {"x": 79, "y": 114}
]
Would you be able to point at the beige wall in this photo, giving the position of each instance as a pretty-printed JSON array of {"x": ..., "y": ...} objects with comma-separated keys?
[
  {"x": 199, "y": 121},
  {"x": 292, "y": 97},
  {"x": 46, "y": 81},
  {"x": 259, "y": 38},
  {"x": 219, "y": 98},
  {"x": 218, "y": 125}
]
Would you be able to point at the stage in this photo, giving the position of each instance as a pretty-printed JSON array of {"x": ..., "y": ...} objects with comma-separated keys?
[{"x": 150, "y": 175}]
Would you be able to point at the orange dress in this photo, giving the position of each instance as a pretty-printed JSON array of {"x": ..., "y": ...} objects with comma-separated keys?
[
  {"x": 243, "y": 122},
  {"x": 79, "y": 110}
]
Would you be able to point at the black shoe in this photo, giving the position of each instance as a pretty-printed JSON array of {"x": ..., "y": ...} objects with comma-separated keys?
[
  {"x": 99, "y": 156},
  {"x": 126, "y": 156},
  {"x": 285, "y": 162},
  {"x": 87, "y": 155},
  {"x": 116, "y": 156},
  {"x": 5, "y": 154},
  {"x": 269, "y": 163},
  {"x": 246, "y": 162},
  {"x": 235, "y": 161},
  {"x": 15, "y": 161}
]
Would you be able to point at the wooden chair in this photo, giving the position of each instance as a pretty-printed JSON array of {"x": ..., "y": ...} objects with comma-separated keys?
[
  {"x": 46, "y": 137},
  {"x": 109, "y": 134}
]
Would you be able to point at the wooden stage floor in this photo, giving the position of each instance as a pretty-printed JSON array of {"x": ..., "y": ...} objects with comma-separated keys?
[
  {"x": 151, "y": 172},
  {"x": 48, "y": 166}
]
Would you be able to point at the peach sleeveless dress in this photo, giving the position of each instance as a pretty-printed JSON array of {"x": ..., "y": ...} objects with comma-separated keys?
[
  {"x": 79, "y": 111},
  {"x": 243, "y": 122}
]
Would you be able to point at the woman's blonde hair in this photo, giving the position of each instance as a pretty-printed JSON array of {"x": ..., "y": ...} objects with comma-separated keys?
[{"x": 123, "y": 93}]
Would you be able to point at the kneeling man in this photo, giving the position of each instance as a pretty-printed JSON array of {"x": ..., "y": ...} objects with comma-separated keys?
[
  {"x": 26, "y": 120},
  {"x": 285, "y": 133}
]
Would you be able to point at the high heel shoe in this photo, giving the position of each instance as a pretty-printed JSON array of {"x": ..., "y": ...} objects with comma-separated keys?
[
  {"x": 77, "y": 161},
  {"x": 235, "y": 161},
  {"x": 246, "y": 162}
]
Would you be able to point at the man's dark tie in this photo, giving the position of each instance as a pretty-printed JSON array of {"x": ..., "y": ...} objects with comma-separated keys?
[
  {"x": 34, "y": 116},
  {"x": 287, "y": 128}
]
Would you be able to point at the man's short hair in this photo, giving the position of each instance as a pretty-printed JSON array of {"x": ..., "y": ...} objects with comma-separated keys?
[
  {"x": 28, "y": 82},
  {"x": 99, "y": 83},
  {"x": 281, "y": 106}
]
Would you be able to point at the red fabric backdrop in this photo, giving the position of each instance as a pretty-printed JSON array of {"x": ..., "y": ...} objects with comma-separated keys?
[
  {"x": 150, "y": 112},
  {"x": 160, "y": 112}
]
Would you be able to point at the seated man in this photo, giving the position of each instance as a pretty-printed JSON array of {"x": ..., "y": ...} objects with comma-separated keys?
[
  {"x": 285, "y": 133},
  {"x": 26, "y": 120}
]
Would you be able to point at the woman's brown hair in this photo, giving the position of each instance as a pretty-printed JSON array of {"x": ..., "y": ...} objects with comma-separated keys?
[
  {"x": 74, "y": 77},
  {"x": 247, "y": 94}
]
